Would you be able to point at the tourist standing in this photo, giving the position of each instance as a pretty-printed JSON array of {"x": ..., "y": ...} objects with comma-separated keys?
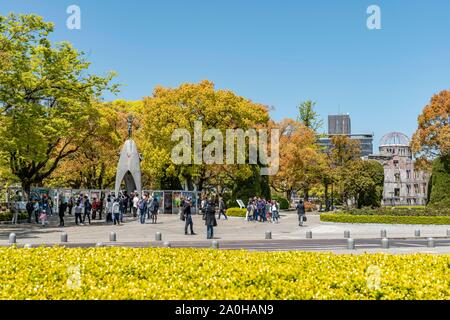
[
  {"x": 87, "y": 210},
  {"x": 70, "y": 205},
  {"x": 36, "y": 210},
  {"x": 275, "y": 213},
  {"x": 78, "y": 212},
  {"x": 95, "y": 206},
  {"x": 30, "y": 209},
  {"x": 154, "y": 207},
  {"x": 142, "y": 205},
  {"x": 222, "y": 209},
  {"x": 188, "y": 217},
  {"x": 61, "y": 211},
  {"x": 135, "y": 204},
  {"x": 109, "y": 209},
  {"x": 301, "y": 212},
  {"x": 116, "y": 211},
  {"x": 210, "y": 219}
]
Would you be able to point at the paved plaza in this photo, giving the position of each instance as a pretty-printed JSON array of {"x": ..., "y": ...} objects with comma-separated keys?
[{"x": 236, "y": 233}]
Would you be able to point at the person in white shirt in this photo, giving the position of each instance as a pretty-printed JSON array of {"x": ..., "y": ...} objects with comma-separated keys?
[{"x": 135, "y": 204}]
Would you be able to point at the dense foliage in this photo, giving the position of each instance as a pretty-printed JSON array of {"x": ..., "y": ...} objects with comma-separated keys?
[
  {"x": 440, "y": 183},
  {"x": 127, "y": 273}
]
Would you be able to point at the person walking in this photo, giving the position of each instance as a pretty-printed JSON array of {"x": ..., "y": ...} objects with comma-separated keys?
[
  {"x": 87, "y": 210},
  {"x": 78, "y": 212},
  {"x": 135, "y": 205},
  {"x": 222, "y": 209},
  {"x": 116, "y": 211},
  {"x": 301, "y": 212},
  {"x": 188, "y": 217},
  {"x": 142, "y": 205},
  {"x": 210, "y": 219},
  {"x": 30, "y": 209},
  {"x": 154, "y": 207},
  {"x": 61, "y": 211}
]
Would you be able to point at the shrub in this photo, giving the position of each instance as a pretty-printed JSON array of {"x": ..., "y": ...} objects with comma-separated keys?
[
  {"x": 236, "y": 212},
  {"x": 7, "y": 216},
  {"x": 401, "y": 211},
  {"x": 177, "y": 274},
  {"x": 388, "y": 219},
  {"x": 283, "y": 202}
]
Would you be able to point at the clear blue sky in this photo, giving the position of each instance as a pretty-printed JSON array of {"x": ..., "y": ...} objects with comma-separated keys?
[{"x": 274, "y": 52}]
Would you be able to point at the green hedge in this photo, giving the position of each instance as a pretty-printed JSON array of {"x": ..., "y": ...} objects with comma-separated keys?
[
  {"x": 400, "y": 211},
  {"x": 7, "y": 216},
  {"x": 283, "y": 202},
  {"x": 236, "y": 212},
  {"x": 351, "y": 218}
]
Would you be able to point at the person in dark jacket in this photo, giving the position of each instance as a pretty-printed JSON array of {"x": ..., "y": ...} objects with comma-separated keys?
[
  {"x": 61, "y": 211},
  {"x": 188, "y": 217},
  {"x": 87, "y": 209},
  {"x": 154, "y": 206},
  {"x": 70, "y": 205},
  {"x": 142, "y": 206},
  {"x": 301, "y": 212},
  {"x": 30, "y": 209},
  {"x": 210, "y": 219}
]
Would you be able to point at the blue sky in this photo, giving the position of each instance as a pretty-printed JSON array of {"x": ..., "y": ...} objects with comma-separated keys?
[{"x": 274, "y": 52}]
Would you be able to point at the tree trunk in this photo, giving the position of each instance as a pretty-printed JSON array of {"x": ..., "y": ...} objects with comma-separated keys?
[{"x": 327, "y": 203}]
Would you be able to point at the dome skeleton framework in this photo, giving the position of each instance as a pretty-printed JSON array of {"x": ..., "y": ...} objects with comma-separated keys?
[{"x": 394, "y": 139}]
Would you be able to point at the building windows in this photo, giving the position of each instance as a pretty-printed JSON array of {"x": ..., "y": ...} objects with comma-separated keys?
[
  {"x": 397, "y": 177},
  {"x": 424, "y": 188},
  {"x": 397, "y": 192},
  {"x": 408, "y": 174},
  {"x": 396, "y": 163},
  {"x": 408, "y": 189},
  {"x": 416, "y": 175},
  {"x": 416, "y": 189}
]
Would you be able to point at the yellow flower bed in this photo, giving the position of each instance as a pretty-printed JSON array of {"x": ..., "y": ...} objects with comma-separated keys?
[{"x": 128, "y": 273}]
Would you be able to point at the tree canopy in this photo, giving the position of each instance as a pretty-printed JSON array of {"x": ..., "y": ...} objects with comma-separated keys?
[{"x": 46, "y": 98}]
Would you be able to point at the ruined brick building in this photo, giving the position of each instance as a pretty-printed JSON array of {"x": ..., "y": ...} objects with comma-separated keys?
[{"x": 403, "y": 184}]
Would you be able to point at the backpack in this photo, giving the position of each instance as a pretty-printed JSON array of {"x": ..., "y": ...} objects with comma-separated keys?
[{"x": 141, "y": 204}]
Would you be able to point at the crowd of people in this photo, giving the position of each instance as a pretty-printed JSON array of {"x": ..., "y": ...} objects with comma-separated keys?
[
  {"x": 112, "y": 208},
  {"x": 146, "y": 207},
  {"x": 262, "y": 210}
]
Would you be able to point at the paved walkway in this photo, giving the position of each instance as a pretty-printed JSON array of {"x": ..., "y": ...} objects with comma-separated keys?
[{"x": 234, "y": 232}]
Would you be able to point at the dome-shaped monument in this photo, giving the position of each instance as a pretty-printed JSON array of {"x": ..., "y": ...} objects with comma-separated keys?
[
  {"x": 394, "y": 139},
  {"x": 395, "y": 143}
]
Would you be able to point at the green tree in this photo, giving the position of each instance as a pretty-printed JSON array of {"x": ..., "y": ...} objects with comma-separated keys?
[
  {"x": 46, "y": 98},
  {"x": 179, "y": 108},
  {"x": 363, "y": 182},
  {"x": 308, "y": 116}
]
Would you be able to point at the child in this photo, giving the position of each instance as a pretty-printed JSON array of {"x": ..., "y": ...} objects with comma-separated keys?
[{"x": 43, "y": 218}]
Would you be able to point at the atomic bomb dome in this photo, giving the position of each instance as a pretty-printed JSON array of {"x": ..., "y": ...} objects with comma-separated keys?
[{"x": 394, "y": 139}]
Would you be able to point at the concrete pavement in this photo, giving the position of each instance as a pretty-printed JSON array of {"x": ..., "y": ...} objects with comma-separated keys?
[{"x": 235, "y": 233}]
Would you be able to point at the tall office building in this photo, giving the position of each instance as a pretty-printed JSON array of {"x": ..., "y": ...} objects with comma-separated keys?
[{"x": 339, "y": 124}]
